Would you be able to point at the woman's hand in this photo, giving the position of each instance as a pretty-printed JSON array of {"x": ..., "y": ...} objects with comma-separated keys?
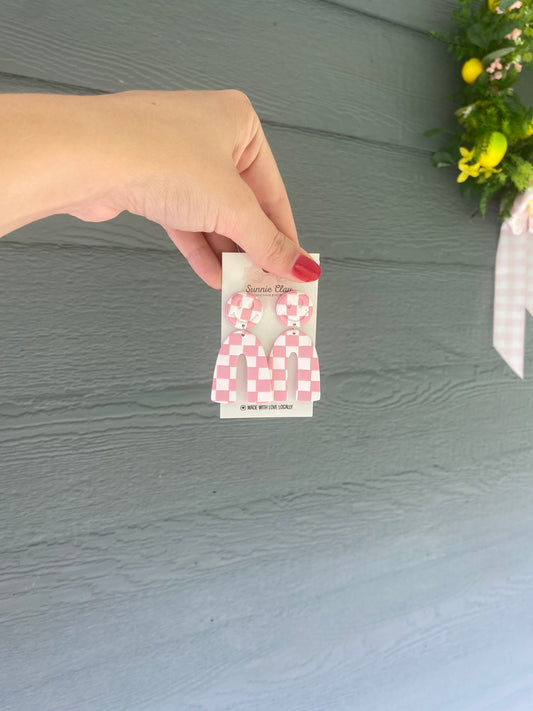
[{"x": 197, "y": 163}]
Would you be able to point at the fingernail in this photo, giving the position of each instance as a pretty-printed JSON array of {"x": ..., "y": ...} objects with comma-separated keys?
[{"x": 306, "y": 269}]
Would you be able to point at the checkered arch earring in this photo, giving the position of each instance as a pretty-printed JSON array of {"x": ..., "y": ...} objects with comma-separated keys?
[
  {"x": 294, "y": 309},
  {"x": 243, "y": 310}
]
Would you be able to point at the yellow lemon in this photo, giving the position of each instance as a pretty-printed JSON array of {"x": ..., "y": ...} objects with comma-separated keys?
[
  {"x": 530, "y": 130},
  {"x": 493, "y": 4},
  {"x": 471, "y": 70},
  {"x": 494, "y": 150}
]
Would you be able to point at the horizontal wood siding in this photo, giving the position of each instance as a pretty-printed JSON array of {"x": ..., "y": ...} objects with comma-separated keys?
[{"x": 153, "y": 557}]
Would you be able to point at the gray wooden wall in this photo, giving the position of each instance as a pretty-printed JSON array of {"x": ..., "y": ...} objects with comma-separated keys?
[{"x": 376, "y": 557}]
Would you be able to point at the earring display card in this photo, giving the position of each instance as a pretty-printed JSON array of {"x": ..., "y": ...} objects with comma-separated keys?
[{"x": 240, "y": 274}]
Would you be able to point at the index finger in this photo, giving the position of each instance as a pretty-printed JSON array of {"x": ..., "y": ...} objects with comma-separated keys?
[{"x": 265, "y": 180}]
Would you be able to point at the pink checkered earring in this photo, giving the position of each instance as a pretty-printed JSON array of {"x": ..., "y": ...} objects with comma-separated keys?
[
  {"x": 294, "y": 309},
  {"x": 243, "y": 310}
]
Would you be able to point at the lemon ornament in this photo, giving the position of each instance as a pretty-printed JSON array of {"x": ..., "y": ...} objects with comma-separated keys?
[
  {"x": 472, "y": 68},
  {"x": 494, "y": 151},
  {"x": 493, "y": 4}
]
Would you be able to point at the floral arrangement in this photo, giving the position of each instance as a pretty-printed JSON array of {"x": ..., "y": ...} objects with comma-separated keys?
[{"x": 492, "y": 147}]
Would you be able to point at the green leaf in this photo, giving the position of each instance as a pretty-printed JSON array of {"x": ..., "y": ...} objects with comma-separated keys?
[
  {"x": 487, "y": 59},
  {"x": 477, "y": 35},
  {"x": 469, "y": 189},
  {"x": 442, "y": 158},
  {"x": 520, "y": 171},
  {"x": 505, "y": 4}
]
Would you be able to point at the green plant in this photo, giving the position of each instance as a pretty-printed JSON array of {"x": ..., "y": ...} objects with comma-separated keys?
[{"x": 492, "y": 145}]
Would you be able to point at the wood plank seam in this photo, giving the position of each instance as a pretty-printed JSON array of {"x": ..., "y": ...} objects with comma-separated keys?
[
  {"x": 48, "y": 83},
  {"x": 340, "y": 264},
  {"x": 372, "y": 16},
  {"x": 412, "y": 150}
]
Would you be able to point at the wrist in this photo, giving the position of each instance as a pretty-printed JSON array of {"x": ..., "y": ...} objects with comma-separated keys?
[{"x": 55, "y": 158}]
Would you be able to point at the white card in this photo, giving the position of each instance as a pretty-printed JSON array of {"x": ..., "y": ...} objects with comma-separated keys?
[{"x": 239, "y": 273}]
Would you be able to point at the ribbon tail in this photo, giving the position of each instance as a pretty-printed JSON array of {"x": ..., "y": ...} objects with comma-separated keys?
[
  {"x": 510, "y": 289},
  {"x": 529, "y": 277}
]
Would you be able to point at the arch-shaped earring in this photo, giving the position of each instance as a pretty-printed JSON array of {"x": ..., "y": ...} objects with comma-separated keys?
[
  {"x": 243, "y": 310},
  {"x": 294, "y": 309}
]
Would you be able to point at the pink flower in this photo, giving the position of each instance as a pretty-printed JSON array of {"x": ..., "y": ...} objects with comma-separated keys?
[
  {"x": 518, "y": 67},
  {"x": 514, "y": 35},
  {"x": 496, "y": 65},
  {"x": 498, "y": 75}
]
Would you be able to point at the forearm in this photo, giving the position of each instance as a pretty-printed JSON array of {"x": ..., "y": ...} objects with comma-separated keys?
[{"x": 50, "y": 157}]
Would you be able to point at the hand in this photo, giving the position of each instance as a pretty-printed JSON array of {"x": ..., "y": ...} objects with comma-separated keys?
[{"x": 197, "y": 163}]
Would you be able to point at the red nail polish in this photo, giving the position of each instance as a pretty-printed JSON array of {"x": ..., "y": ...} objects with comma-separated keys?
[{"x": 306, "y": 269}]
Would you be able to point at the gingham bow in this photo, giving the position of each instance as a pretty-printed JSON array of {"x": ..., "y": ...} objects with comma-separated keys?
[{"x": 513, "y": 286}]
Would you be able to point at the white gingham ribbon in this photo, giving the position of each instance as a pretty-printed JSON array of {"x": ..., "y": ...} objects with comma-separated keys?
[{"x": 513, "y": 284}]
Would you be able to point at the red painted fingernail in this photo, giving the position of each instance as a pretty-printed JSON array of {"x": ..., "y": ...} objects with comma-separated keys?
[{"x": 306, "y": 269}]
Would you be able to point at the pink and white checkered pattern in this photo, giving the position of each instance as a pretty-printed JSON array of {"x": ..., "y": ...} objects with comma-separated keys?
[
  {"x": 258, "y": 375},
  {"x": 294, "y": 309},
  {"x": 513, "y": 285},
  {"x": 308, "y": 371},
  {"x": 244, "y": 310}
]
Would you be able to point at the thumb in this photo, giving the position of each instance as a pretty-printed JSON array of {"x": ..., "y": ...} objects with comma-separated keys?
[{"x": 248, "y": 226}]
